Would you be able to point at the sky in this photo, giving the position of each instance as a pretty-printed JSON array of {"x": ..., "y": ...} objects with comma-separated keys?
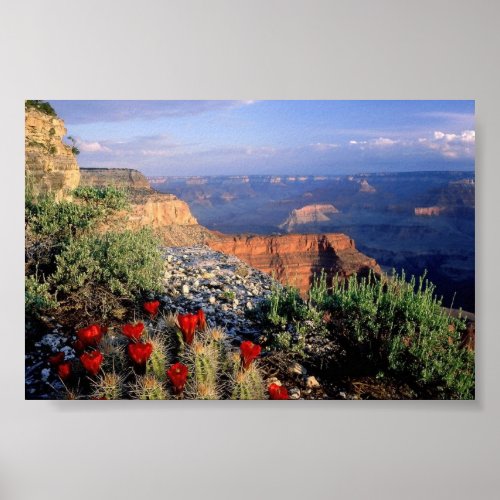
[{"x": 177, "y": 138}]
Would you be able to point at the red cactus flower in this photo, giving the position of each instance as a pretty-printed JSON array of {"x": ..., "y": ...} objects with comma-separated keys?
[
  {"x": 91, "y": 335},
  {"x": 178, "y": 375},
  {"x": 56, "y": 359},
  {"x": 277, "y": 392},
  {"x": 202, "y": 322},
  {"x": 91, "y": 361},
  {"x": 187, "y": 324},
  {"x": 249, "y": 351},
  {"x": 133, "y": 331},
  {"x": 152, "y": 307},
  {"x": 64, "y": 370},
  {"x": 139, "y": 353}
]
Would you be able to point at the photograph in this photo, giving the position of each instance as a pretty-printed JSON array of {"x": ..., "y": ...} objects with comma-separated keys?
[{"x": 249, "y": 250}]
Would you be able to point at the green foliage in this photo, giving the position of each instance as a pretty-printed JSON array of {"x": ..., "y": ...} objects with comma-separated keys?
[
  {"x": 284, "y": 305},
  {"x": 127, "y": 262},
  {"x": 401, "y": 325},
  {"x": 42, "y": 106},
  {"x": 107, "y": 198},
  {"x": 65, "y": 219},
  {"x": 37, "y": 296},
  {"x": 386, "y": 325}
]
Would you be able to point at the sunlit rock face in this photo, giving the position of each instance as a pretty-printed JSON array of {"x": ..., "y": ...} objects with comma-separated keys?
[
  {"x": 309, "y": 214},
  {"x": 50, "y": 165},
  {"x": 295, "y": 258}
]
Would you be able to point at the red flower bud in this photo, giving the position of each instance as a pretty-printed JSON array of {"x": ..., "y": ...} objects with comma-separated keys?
[
  {"x": 152, "y": 307},
  {"x": 91, "y": 335},
  {"x": 64, "y": 370},
  {"x": 277, "y": 392},
  {"x": 178, "y": 375},
  {"x": 249, "y": 351},
  {"x": 139, "y": 353},
  {"x": 133, "y": 331},
  {"x": 56, "y": 359},
  {"x": 202, "y": 322},
  {"x": 187, "y": 324},
  {"x": 91, "y": 361}
]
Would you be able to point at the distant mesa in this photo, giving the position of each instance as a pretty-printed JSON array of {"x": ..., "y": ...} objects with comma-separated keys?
[
  {"x": 309, "y": 214},
  {"x": 429, "y": 211},
  {"x": 365, "y": 187}
]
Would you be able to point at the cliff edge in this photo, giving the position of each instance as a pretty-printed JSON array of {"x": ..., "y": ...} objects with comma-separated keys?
[{"x": 50, "y": 165}]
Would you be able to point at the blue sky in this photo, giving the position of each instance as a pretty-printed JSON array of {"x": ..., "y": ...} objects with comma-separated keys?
[{"x": 272, "y": 137}]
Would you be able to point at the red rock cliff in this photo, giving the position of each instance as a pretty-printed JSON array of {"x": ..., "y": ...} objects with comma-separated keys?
[{"x": 295, "y": 258}]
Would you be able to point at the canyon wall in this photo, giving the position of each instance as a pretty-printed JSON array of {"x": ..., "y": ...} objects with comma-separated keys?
[
  {"x": 117, "y": 177},
  {"x": 165, "y": 213},
  {"x": 295, "y": 258},
  {"x": 50, "y": 165}
]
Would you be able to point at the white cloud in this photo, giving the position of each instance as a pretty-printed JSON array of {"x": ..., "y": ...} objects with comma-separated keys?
[
  {"x": 452, "y": 145},
  {"x": 321, "y": 146},
  {"x": 383, "y": 142},
  {"x": 91, "y": 147}
]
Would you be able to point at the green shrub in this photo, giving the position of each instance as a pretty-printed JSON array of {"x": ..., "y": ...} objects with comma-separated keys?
[
  {"x": 381, "y": 324},
  {"x": 127, "y": 263},
  {"x": 37, "y": 297},
  {"x": 65, "y": 219},
  {"x": 401, "y": 326},
  {"x": 42, "y": 106}
]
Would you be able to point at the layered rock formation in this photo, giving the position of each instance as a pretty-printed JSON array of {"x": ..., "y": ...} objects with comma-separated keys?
[
  {"x": 295, "y": 258},
  {"x": 50, "y": 165},
  {"x": 310, "y": 214},
  {"x": 117, "y": 177},
  {"x": 427, "y": 211},
  {"x": 163, "y": 212},
  {"x": 365, "y": 187}
]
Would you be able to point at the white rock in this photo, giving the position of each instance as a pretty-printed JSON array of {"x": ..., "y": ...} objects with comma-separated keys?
[
  {"x": 211, "y": 299},
  {"x": 294, "y": 393},
  {"x": 185, "y": 289},
  {"x": 312, "y": 383},
  {"x": 249, "y": 306},
  {"x": 297, "y": 369}
]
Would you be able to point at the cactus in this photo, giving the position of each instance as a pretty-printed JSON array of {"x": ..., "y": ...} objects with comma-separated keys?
[
  {"x": 202, "y": 359},
  {"x": 113, "y": 349},
  {"x": 108, "y": 386},
  {"x": 218, "y": 339},
  {"x": 149, "y": 388},
  {"x": 156, "y": 365},
  {"x": 248, "y": 384}
]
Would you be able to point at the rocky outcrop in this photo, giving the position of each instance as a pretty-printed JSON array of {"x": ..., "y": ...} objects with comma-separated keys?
[
  {"x": 295, "y": 258},
  {"x": 117, "y": 177},
  {"x": 365, "y": 187},
  {"x": 309, "y": 214},
  {"x": 165, "y": 213},
  {"x": 50, "y": 165},
  {"x": 427, "y": 211}
]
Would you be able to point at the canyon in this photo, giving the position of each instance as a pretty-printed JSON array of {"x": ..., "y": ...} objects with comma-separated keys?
[
  {"x": 292, "y": 259},
  {"x": 295, "y": 259}
]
